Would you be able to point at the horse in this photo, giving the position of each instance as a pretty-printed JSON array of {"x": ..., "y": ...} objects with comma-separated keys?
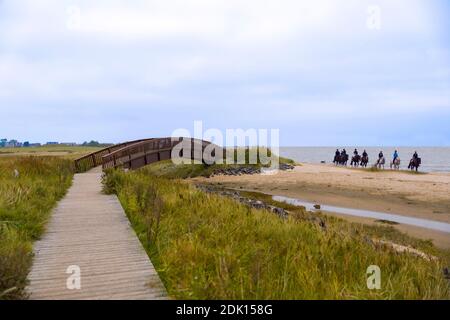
[
  {"x": 395, "y": 163},
  {"x": 414, "y": 163},
  {"x": 341, "y": 159},
  {"x": 355, "y": 160},
  {"x": 336, "y": 159},
  {"x": 380, "y": 163},
  {"x": 364, "y": 161}
]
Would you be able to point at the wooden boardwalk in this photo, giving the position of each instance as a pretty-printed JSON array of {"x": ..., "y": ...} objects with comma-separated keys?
[{"x": 90, "y": 230}]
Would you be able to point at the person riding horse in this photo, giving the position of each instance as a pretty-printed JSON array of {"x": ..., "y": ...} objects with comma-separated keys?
[
  {"x": 381, "y": 161},
  {"x": 355, "y": 159},
  {"x": 341, "y": 157},
  {"x": 395, "y": 161},
  {"x": 364, "y": 159},
  {"x": 415, "y": 162},
  {"x": 395, "y": 156},
  {"x": 337, "y": 156}
]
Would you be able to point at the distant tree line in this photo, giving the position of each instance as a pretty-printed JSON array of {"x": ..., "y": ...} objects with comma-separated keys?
[{"x": 94, "y": 143}]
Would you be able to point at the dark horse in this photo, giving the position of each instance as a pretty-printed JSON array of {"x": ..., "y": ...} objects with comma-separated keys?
[
  {"x": 414, "y": 163},
  {"x": 364, "y": 161},
  {"x": 341, "y": 159},
  {"x": 355, "y": 160}
]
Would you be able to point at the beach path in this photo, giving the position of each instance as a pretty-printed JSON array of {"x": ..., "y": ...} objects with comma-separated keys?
[{"x": 89, "y": 250}]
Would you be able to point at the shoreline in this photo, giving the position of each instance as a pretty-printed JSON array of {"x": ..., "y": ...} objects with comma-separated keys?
[{"x": 425, "y": 196}]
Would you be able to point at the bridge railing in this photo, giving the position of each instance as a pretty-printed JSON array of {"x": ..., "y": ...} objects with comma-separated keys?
[
  {"x": 95, "y": 159},
  {"x": 139, "y": 154}
]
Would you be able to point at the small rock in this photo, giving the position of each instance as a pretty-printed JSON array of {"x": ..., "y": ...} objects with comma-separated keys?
[
  {"x": 286, "y": 166},
  {"x": 317, "y": 206}
]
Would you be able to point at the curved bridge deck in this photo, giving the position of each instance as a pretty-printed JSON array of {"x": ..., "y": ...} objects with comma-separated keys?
[{"x": 90, "y": 230}]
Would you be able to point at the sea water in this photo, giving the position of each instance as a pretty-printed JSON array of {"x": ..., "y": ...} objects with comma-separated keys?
[{"x": 434, "y": 159}]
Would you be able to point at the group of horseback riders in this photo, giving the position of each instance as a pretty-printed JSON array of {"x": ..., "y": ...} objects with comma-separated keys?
[{"x": 341, "y": 158}]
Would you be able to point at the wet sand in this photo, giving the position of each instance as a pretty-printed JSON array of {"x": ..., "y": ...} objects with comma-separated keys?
[{"x": 425, "y": 196}]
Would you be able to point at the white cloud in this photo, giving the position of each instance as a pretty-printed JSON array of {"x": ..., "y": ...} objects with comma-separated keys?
[{"x": 311, "y": 58}]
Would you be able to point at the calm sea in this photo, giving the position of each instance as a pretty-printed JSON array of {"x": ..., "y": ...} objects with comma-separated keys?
[{"x": 433, "y": 158}]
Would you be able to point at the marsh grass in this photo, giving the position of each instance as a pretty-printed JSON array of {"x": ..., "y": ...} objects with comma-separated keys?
[
  {"x": 25, "y": 205},
  {"x": 170, "y": 170},
  {"x": 71, "y": 152},
  {"x": 205, "y": 246}
]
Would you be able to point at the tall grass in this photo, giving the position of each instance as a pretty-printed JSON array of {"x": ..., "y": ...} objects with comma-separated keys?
[
  {"x": 170, "y": 170},
  {"x": 25, "y": 203},
  {"x": 209, "y": 247}
]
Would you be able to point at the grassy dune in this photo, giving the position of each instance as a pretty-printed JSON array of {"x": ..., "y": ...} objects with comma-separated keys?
[
  {"x": 209, "y": 247},
  {"x": 25, "y": 205},
  {"x": 168, "y": 169}
]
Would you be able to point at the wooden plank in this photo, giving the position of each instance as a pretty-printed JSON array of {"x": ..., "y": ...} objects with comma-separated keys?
[{"x": 90, "y": 230}]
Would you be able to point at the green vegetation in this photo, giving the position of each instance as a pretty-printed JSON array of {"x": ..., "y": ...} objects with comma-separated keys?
[
  {"x": 380, "y": 232},
  {"x": 205, "y": 246},
  {"x": 170, "y": 170},
  {"x": 26, "y": 199},
  {"x": 71, "y": 152},
  {"x": 94, "y": 143}
]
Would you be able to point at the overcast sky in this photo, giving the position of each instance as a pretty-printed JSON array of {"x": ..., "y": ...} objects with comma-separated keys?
[{"x": 324, "y": 72}]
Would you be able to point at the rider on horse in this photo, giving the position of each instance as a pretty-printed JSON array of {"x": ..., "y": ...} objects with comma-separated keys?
[
  {"x": 355, "y": 152},
  {"x": 415, "y": 162},
  {"x": 337, "y": 156},
  {"x": 380, "y": 155},
  {"x": 364, "y": 154},
  {"x": 395, "y": 156}
]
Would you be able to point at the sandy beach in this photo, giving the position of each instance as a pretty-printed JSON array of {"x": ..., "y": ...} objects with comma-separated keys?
[{"x": 425, "y": 196}]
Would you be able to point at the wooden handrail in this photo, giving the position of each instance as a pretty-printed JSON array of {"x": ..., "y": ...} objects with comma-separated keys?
[
  {"x": 143, "y": 153},
  {"x": 136, "y": 154},
  {"x": 94, "y": 159}
]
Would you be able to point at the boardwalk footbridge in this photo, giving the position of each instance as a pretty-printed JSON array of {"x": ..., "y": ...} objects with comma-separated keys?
[
  {"x": 136, "y": 154},
  {"x": 90, "y": 250}
]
